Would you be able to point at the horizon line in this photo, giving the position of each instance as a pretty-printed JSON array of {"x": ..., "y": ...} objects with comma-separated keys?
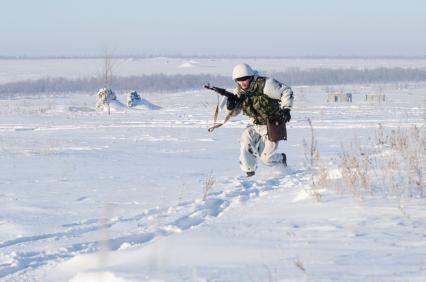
[{"x": 178, "y": 56}]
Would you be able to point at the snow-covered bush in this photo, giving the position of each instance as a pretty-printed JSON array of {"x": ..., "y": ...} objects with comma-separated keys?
[{"x": 103, "y": 97}]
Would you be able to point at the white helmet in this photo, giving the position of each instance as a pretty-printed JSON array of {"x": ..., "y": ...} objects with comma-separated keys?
[{"x": 242, "y": 70}]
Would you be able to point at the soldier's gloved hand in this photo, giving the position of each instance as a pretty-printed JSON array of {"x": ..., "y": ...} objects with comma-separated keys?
[
  {"x": 231, "y": 104},
  {"x": 286, "y": 115}
]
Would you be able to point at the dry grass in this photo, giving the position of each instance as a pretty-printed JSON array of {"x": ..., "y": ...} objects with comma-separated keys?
[
  {"x": 392, "y": 166},
  {"x": 27, "y": 106},
  {"x": 314, "y": 166},
  {"x": 299, "y": 265},
  {"x": 208, "y": 183}
]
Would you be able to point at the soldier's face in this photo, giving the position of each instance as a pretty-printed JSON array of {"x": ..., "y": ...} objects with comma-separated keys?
[{"x": 244, "y": 84}]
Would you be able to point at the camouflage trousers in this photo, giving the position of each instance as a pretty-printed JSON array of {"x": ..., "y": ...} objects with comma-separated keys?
[{"x": 255, "y": 144}]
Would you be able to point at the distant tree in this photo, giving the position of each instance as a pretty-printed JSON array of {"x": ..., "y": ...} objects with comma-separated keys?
[
  {"x": 107, "y": 77},
  {"x": 183, "y": 82}
]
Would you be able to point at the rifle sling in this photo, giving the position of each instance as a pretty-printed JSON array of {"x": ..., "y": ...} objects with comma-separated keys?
[{"x": 216, "y": 114}]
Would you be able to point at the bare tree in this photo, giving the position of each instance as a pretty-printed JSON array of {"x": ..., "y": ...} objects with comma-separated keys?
[{"x": 107, "y": 77}]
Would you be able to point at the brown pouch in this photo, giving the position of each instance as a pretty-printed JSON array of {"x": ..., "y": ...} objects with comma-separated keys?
[{"x": 276, "y": 129}]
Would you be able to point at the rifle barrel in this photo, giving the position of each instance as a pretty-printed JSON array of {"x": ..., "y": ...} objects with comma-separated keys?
[{"x": 222, "y": 91}]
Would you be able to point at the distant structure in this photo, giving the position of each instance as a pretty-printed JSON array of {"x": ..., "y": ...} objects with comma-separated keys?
[
  {"x": 375, "y": 98},
  {"x": 103, "y": 97},
  {"x": 133, "y": 98},
  {"x": 339, "y": 97}
]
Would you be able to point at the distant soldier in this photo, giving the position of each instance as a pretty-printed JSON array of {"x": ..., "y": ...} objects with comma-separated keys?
[
  {"x": 103, "y": 97},
  {"x": 133, "y": 98}
]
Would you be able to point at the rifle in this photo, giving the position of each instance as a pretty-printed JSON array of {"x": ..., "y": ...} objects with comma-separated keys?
[{"x": 231, "y": 97}]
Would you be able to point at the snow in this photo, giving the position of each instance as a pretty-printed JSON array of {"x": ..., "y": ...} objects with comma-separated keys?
[
  {"x": 99, "y": 276},
  {"x": 88, "y": 196},
  {"x": 189, "y": 64},
  {"x": 145, "y": 104}
]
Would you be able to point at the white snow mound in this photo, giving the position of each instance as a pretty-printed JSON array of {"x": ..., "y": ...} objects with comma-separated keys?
[
  {"x": 98, "y": 276},
  {"x": 189, "y": 64},
  {"x": 145, "y": 104}
]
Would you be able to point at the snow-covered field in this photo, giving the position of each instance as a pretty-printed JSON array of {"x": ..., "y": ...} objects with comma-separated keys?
[{"x": 88, "y": 196}]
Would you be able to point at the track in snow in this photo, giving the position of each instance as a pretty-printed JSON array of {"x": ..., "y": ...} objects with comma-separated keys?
[{"x": 150, "y": 224}]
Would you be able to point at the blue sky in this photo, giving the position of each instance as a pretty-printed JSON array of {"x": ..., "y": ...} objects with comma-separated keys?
[{"x": 191, "y": 27}]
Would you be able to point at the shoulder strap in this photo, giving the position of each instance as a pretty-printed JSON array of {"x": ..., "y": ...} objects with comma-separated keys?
[{"x": 216, "y": 114}]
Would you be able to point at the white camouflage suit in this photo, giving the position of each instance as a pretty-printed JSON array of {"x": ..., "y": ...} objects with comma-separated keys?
[{"x": 254, "y": 141}]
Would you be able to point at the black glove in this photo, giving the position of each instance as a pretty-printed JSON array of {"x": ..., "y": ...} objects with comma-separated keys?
[
  {"x": 231, "y": 104},
  {"x": 285, "y": 114}
]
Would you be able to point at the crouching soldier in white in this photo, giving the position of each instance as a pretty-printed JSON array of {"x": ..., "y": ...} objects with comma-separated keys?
[{"x": 260, "y": 98}]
